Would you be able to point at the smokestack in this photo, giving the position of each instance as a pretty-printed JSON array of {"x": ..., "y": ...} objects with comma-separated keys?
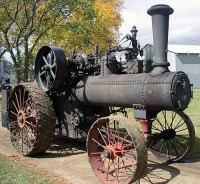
[{"x": 160, "y": 25}]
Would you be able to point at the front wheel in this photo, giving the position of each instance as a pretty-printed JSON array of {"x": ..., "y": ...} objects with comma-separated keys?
[
  {"x": 116, "y": 149},
  {"x": 173, "y": 136}
]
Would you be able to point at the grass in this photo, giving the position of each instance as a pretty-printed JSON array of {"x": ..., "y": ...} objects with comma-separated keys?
[
  {"x": 14, "y": 173},
  {"x": 193, "y": 111}
]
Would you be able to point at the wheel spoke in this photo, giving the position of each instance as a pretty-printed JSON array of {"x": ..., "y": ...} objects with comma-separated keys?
[
  {"x": 46, "y": 62},
  {"x": 153, "y": 127},
  {"x": 115, "y": 170},
  {"x": 14, "y": 113},
  {"x": 99, "y": 144},
  {"x": 102, "y": 136},
  {"x": 179, "y": 126},
  {"x": 163, "y": 128},
  {"x": 109, "y": 165},
  {"x": 27, "y": 122},
  {"x": 165, "y": 118},
  {"x": 20, "y": 99},
  {"x": 177, "y": 153},
  {"x": 181, "y": 130},
  {"x": 53, "y": 65},
  {"x": 161, "y": 147},
  {"x": 52, "y": 74},
  {"x": 43, "y": 73},
  {"x": 111, "y": 151},
  {"x": 172, "y": 120},
  {"x": 48, "y": 81},
  {"x": 102, "y": 162},
  {"x": 182, "y": 145},
  {"x": 17, "y": 101},
  {"x": 125, "y": 136},
  {"x": 15, "y": 106},
  {"x": 97, "y": 153}
]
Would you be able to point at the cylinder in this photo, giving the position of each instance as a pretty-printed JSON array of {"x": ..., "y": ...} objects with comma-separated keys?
[
  {"x": 167, "y": 91},
  {"x": 160, "y": 25}
]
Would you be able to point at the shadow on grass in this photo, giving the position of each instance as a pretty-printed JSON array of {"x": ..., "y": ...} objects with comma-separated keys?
[{"x": 194, "y": 156}]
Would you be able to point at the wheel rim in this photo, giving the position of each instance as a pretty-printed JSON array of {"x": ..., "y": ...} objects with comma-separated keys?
[
  {"x": 51, "y": 68},
  {"x": 113, "y": 153},
  {"x": 173, "y": 136},
  {"x": 31, "y": 119},
  {"x": 22, "y": 120}
]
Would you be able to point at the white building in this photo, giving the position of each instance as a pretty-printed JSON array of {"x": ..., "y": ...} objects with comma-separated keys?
[{"x": 184, "y": 58}]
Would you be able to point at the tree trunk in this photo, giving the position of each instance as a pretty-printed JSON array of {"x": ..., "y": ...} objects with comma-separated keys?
[
  {"x": 18, "y": 74},
  {"x": 26, "y": 62}
]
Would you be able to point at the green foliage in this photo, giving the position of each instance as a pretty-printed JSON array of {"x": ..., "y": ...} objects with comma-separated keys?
[
  {"x": 75, "y": 25},
  {"x": 14, "y": 173}
]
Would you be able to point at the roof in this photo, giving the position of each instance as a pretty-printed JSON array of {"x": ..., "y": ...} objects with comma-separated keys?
[{"x": 188, "y": 49}]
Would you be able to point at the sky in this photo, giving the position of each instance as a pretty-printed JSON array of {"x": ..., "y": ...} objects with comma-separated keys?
[{"x": 184, "y": 23}]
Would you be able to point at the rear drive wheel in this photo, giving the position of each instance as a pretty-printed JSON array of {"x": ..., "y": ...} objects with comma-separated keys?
[
  {"x": 31, "y": 120},
  {"x": 117, "y": 150}
]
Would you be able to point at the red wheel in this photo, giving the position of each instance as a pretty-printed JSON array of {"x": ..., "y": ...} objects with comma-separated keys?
[
  {"x": 31, "y": 120},
  {"x": 117, "y": 150}
]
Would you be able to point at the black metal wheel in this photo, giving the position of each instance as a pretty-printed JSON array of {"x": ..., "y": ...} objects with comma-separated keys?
[
  {"x": 51, "y": 68},
  {"x": 117, "y": 151},
  {"x": 31, "y": 120},
  {"x": 173, "y": 136}
]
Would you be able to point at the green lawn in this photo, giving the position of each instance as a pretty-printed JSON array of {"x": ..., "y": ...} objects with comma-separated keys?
[
  {"x": 14, "y": 173},
  {"x": 193, "y": 111}
]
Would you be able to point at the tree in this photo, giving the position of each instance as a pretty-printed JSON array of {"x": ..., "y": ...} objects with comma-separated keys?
[
  {"x": 24, "y": 22},
  {"x": 71, "y": 24},
  {"x": 85, "y": 29}
]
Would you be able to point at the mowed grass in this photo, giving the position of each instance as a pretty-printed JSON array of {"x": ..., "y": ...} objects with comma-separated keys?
[
  {"x": 193, "y": 111},
  {"x": 14, "y": 173}
]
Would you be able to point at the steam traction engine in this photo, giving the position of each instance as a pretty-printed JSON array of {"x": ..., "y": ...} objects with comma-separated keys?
[{"x": 75, "y": 96}]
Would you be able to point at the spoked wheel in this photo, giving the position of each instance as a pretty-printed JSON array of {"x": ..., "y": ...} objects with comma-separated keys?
[
  {"x": 50, "y": 68},
  {"x": 31, "y": 120},
  {"x": 173, "y": 136},
  {"x": 117, "y": 150}
]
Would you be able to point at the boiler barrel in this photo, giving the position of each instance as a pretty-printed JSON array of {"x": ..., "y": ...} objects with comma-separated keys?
[{"x": 166, "y": 91}]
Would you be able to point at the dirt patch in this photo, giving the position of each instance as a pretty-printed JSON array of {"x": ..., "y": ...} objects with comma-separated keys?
[{"x": 67, "y": 163}]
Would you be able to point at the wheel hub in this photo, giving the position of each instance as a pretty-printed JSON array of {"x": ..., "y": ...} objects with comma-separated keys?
[
  {"x": 45, "y": 68},
  {"x": 112, "y": 151},
  {"x": 21, "y": 119},
  {"x": 168, "y": 134}
]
